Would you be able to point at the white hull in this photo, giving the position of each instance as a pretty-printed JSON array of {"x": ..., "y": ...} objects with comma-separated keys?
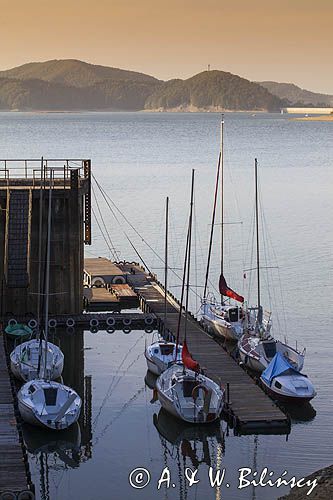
[
  {"x": 157, "y": 360},
  {"x": 188, "y": 396},
  {"x": 24, "y": 360},
  {"x": 257, "y": 353},
  {"x": 48, "y": 404},
  {"x": 214, "y": 316}
]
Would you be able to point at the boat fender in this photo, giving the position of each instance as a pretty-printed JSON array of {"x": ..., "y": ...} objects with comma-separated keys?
[
  {"x": 126, "y": 330},
  {"x": 110, "y": 321},
  {"x": 25, "y": 495},
  {"x": 70, "y": 330},
  {"x": 12, "y": 322},
  {"x": 119, "y": 280},
  {"x": 70, "y": 322},
  {"x": 127, "y": 321},
  {"x": 7, "y": 495},
  {"x": 93, "y": 329},
  {"x": 110, "y": 330},
  {"x": 149, "y": 320},
  {"x": 149, "y": 329},
  {"x": 52, "y": 323},
  {"x": 32, "y": 324},
  {"x": 94, "y": 323}
]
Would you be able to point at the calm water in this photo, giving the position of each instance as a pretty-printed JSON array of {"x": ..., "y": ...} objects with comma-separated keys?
[{"x": 140, "y": 159}]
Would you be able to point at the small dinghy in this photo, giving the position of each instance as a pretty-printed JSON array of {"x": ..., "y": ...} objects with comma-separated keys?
[
  {"x": 19, "y": 331},
  {"x": 29, "y": 361},
  {"x": 49, "y": 404},
  {"x": 189, "y": 395},
  {"x": 161, "y": 354},
  {"x": 285, "y": 383}
]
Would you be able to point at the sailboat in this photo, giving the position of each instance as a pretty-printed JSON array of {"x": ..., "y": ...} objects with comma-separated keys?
[
  {"x": 223, "y": 319},
  {"x": 182, "y": 389},
  {"x": 282, "y": 381},
  {"x": 43, "y": 402},
  {"x": 36, "y": 359},
  {"x": 160, "y": 354},
  {"x": 257, "y": 347}
]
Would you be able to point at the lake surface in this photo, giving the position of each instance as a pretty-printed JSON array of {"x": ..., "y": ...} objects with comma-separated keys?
[{"x": 140, "y": 158}]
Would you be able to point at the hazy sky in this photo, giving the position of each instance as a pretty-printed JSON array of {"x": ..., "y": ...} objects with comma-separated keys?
[{"x": 282, "y": 40}]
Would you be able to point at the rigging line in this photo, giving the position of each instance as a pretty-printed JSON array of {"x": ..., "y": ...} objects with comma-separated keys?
[
  {"x": 113, "y": 377},
  {"x": 106, "y": 198},
  {"x": 212, "y": 225},
  {"x": 124, "y": 232},
  {"x": 113, "y": 252},
  {"x": 182, "y": 294},
  {"x": 123, "y": 408},
  {"x": 101, "y": 231}
]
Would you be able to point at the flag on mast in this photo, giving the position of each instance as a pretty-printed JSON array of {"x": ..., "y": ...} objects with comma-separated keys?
[{"x": 228, "y": 292}]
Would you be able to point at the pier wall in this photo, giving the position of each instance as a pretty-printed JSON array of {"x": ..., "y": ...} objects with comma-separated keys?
[{"x": 21, "y": 260}]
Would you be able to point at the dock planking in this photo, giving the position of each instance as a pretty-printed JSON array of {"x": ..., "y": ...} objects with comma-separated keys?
[
  {"x": 13, "y": 470},
  {"x": 249, "y": 407}
]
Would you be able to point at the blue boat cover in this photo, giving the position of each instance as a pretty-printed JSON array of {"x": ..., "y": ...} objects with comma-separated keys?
[{"x": 276, "y": 367}]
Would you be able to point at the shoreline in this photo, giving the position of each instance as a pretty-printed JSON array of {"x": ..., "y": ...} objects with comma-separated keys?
[{"x": 319, "y": 118}]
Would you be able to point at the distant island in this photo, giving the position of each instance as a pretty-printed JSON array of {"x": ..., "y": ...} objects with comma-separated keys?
[{"x": 72, "y": 85}]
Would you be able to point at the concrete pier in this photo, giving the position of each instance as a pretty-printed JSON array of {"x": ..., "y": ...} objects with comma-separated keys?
[{"x": 24, "y": 197}]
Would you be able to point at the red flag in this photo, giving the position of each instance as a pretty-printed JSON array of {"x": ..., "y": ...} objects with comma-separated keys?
[
  {"x": 188, "y": 361},
  {"x": 225, "y": 290}
]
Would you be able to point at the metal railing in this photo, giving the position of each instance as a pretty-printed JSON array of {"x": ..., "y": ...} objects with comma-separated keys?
[{"x": 34, "y": 172}]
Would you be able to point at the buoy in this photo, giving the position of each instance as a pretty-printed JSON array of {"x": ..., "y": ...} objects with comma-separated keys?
[
  {"x": 149, "y": 329},
  {"x": 119, "y": 280},
  {"x": 110, "y": 330},
  {"x": 7, "y": 495},
  {"x": 12, "y": 322},
  {"x": 126, "y": 330},
  {"x": 127, "y": 321}
]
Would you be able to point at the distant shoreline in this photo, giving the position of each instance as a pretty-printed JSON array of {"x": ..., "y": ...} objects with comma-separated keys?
[
  {"x": 171, "y": 110},
  {"x": 321, "y": 118}
]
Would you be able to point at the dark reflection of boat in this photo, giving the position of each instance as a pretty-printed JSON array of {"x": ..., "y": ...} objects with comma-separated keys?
[
  {"x": 300, "y": 413},
  {"x": 200, "y": 443},
  {"x": 150, "y": 380},
  {"x": 65, "y": 446}
]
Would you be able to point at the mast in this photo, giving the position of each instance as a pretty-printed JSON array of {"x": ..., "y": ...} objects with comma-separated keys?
[
  {"x": 47, "y": 279},
  {"x": 166, "y": 260},
  {"x": 189, "y": 252},
  {"x": 259, "y": 316},
  {"x": 222, "y": 201}
]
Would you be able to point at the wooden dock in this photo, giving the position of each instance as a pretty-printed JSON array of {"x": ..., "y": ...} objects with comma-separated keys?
[
  {"x": 14, "y": 469},
  {"x": 249, "y": 409}
]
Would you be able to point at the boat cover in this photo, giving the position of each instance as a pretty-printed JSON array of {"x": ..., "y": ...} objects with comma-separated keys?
[{"x": 276, "y": 367}]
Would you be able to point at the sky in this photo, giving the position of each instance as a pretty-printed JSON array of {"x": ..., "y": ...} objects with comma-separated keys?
[{"x": 280, "y": 40}]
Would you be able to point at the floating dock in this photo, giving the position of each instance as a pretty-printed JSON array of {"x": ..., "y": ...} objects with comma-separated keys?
[
  {"x": 14, "y": 469},
  {"x": 249, "y": 408}
]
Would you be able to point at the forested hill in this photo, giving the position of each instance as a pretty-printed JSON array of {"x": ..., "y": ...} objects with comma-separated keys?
[
  {"x": 297, "y": 96},
  {"x": 77, "y": 85},
  {"x": 213, "y": 90}
]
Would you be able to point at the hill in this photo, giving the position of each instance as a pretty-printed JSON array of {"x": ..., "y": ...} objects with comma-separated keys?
[
  {"x": 73, "y": 72},
  {"x": 216, "y": 90},
  {"x": 297, "y": 96},
  {"x": 77, "y": 85}
]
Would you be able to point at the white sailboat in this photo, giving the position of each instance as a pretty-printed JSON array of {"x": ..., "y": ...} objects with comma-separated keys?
[
  {"x": 40, "y": 401},
  {"x": 160, "y": 354},
  {"x": 36, "y": 359},
  {"x": 182, "y": 390},
  {"x": 257, "y": 347},
  {"x": 223, "y": 319},
  {"x": 282, "y": 381},
  {"x": 189, "y": 396}
]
